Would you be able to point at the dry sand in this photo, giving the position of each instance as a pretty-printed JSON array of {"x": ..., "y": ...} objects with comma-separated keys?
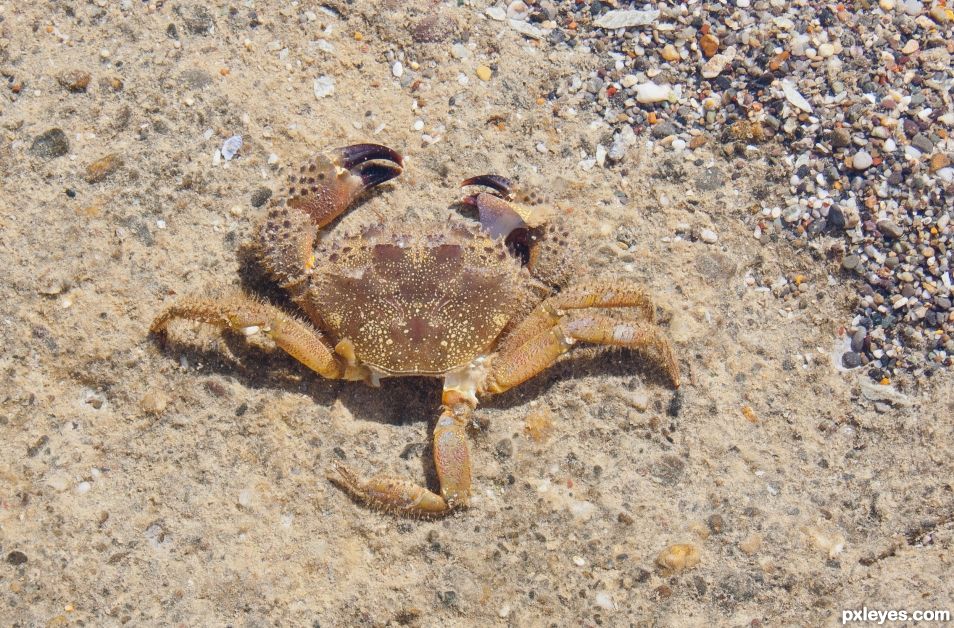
[{"x": 186, "y": 484}]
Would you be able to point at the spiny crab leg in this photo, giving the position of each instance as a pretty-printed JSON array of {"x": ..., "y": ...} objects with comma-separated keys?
[
  {"x": 451, "y": 458},
  {"x": 246, "y": 316}
]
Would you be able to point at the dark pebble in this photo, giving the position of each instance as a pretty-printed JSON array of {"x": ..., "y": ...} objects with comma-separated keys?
[
  {"x": 51, "y": 144},
  {"x": 836, "y": 218},
  {"x": 664, "y": 129},
  {"x": 504, "y": 449},
  {"x": 922, "y": 143},
  {"x": 449, "y": 598},
  {"x": 200, "y": 21},
  {"x": 890, "y": 229},
  {"x": 850, "y": 262},
  {"x": 851, "y": 360},
  {"x": 260, "y": 197},
  {"x": 858, "y": 340},
  {"x": 716, "y": 524},
  {"x": 432, "y": 29},
  {"x": 16, "y": 557},
  {"x": 840, "y": 138}
]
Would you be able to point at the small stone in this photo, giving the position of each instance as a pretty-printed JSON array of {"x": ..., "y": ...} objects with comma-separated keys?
[
  {"x": 826, "y": 50},
  {"x": 626, "y": 18},
  {"x": 714, "y": 66},
  {"x": 496, "y": 13},
  {"x": 911, "y": 47},
  {"x": 154, "y": 402},
  {"x": 851, "y": 360},
  {"x": 504, "y": 448},
  {"x": 260, "y": 196},
  {"x": 862, "y": 160},
  {"x": 199, "y": 21},
  {"x": 840, "y": 137},
  {"x": 709, "y": 236},
  {"x": 794, "y": 97},
  {"x": 940, "y": 14},
  {"x": 629, "y": 80},
  {"x": 669, "y": 53},
  {"x": 604, "y": 601},
  {"x": 709, "y": 44},
  {"x": 663, "y": 129},
  {"x": 650, "y": 92},
  {"x": 74, "y": 80},
  {"x": 324, "y": 86},
  {"x": 886, "y": 5},
  {"x": 231, "y": 147},
  {"x": 716, "y": 523},
  {"x": 751, "y": 544},
  {"x": 484, "y": 73},
  {"x": 922, "y": 143},
  {"x": 850, "y": 262},
  {"x": 103, "y": 167},
  {"x": 678, "y": 557},
  {"x": 890, "y": 229},
  {"x": 50, "y": 144},
  {"x": 432, "y": 29},
  {"x": 16, "y": 558},
  {"x": 939, "y": 161}
]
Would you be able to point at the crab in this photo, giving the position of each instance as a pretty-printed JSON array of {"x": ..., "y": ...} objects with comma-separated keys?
[{"x": 486, "y": 305}]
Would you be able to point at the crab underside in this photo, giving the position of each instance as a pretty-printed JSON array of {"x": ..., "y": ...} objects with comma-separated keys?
[{"x": 485, "y": 306}]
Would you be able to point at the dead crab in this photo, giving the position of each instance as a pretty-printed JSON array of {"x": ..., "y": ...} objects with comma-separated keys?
[{"x": 485, "y": 306}]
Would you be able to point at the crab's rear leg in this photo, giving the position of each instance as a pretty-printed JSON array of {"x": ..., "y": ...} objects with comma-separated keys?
[
  {"x": 320, "y": 191},
  {"x": 245, "y": 316},
  {"x": 451, "y": 459},
  {"x": 515, "y": 365},
  {"x": 600, "y": 294}
]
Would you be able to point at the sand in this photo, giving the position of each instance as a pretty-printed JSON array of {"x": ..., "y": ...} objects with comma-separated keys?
[{"x": 185, "y": 483}]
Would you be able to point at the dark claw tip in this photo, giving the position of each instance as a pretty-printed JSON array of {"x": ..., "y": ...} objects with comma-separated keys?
[
  {"x": 493, "y": 181},
  {"x": 375, "y": 174},
  {"x": 356, "y": 154}
]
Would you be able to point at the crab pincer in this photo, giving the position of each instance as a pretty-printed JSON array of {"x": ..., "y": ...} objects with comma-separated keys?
[{"x": 328, "y": 184}]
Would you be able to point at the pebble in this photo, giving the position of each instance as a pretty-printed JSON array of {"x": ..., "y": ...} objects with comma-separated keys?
[
  {"x": 397, "y": 70},
  {"x": 651, "y": 92},
  {"x": 604, "y": 600},
  {"x": 50, "y": 144},
  {"x": 103, "y": 167},
  {"x": 231, "y": 147},
  {"x": 679, "y": 557},
  {"x": 75, "y": 80},
  {"x": 714, "y": 66},
  {"x": 709, "y": 236},
  {"x": 626, "y": 18},
  {"x": 484, "y": 73},
  {"x": 709, "y": 44},
  {"x": 862, "y": 160},
  {"x": 324, "y": 86},
  {"x": 496, "y": 13}
]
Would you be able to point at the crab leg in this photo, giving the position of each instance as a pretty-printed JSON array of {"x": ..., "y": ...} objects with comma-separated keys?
[
  {"x": 452, "y": 459},
  {"x": 516, "y": 365},
  {"x": 598, "y": 295},
  {"x": 319, "y": 192},
  {"x": 247, "y": 316}
]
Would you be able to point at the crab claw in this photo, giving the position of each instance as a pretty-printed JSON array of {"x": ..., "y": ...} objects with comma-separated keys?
[
  {"x": 493, "y": 181},
  {"x": 499, "y": 215},
  {"x": 328, "y": 184},
  {"x": 355, "y": 159}
]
